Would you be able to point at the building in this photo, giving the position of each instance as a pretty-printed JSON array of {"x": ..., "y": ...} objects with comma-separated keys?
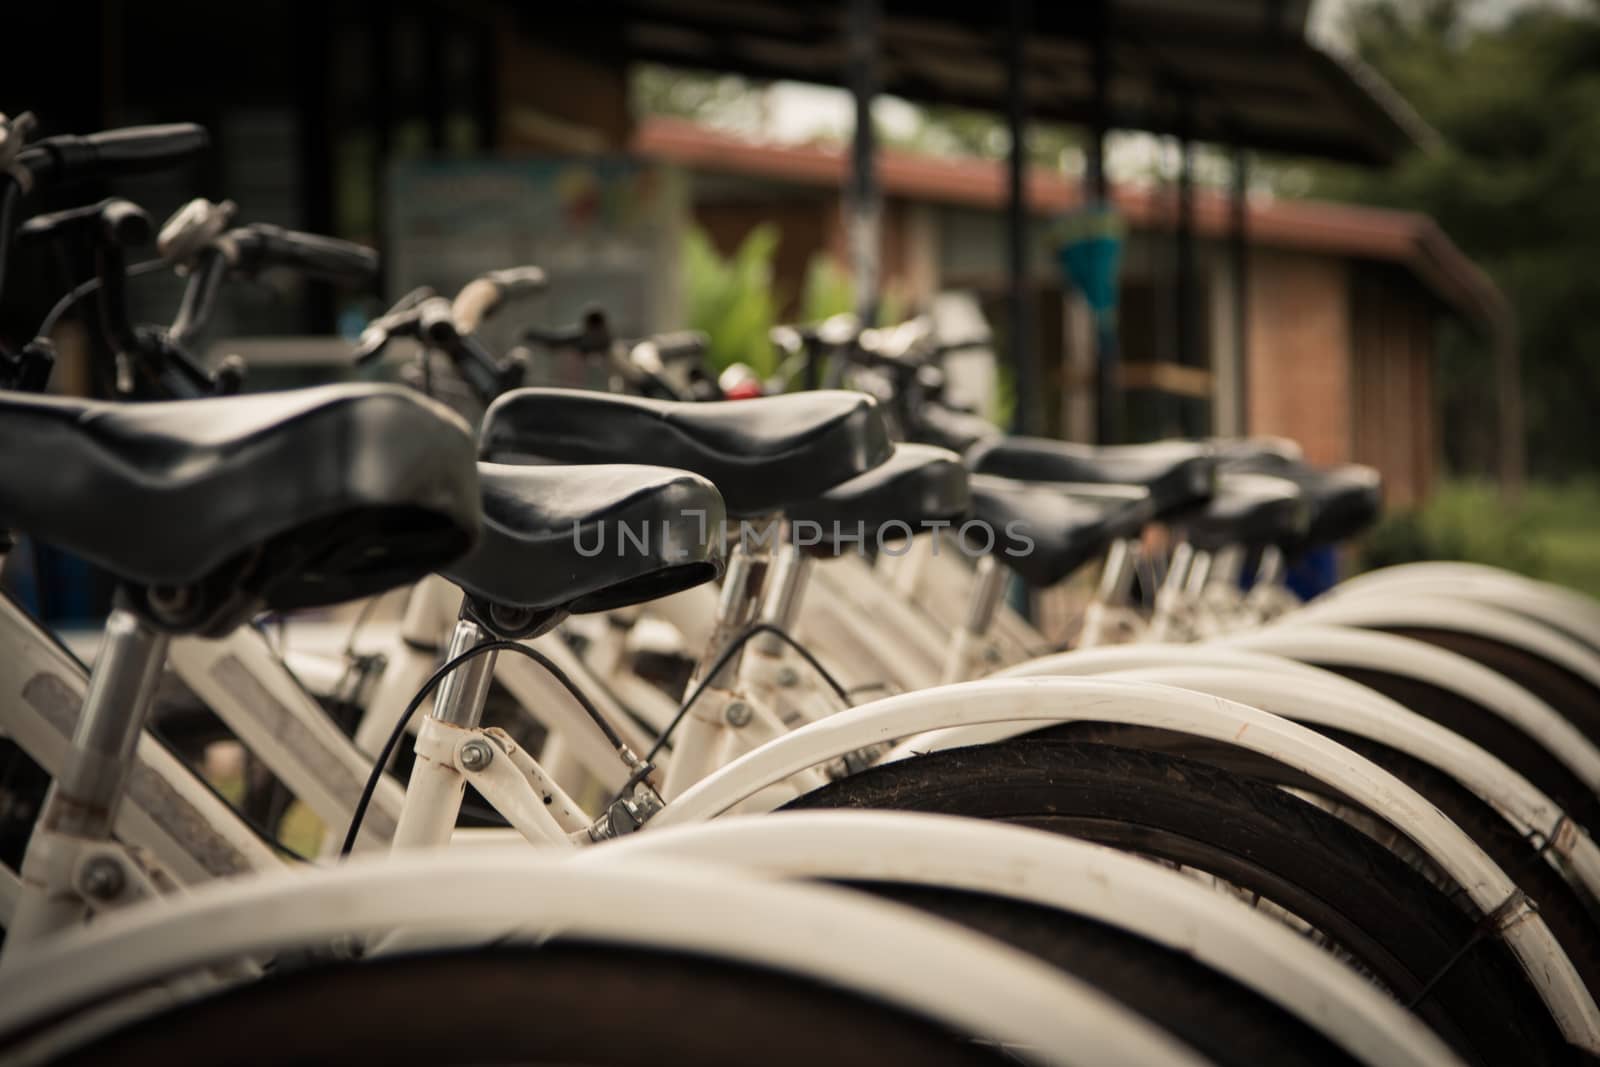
[{"x": 1339, "y": 309}]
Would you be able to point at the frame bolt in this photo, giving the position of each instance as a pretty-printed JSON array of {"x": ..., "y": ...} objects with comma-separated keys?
[
  {"x": 102, "y": 878},
  {"x": 788, "y": 677},
  {"x": 476, "y": 755},
  {"x": 737, "y": 713}
]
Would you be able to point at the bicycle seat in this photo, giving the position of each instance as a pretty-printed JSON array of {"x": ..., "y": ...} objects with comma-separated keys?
[
  {"x": 1177, "y": 474},
  {"x": 919, "y": 484},
  {"x": 761, "y": 454},
  {"x": 578, "y": 539},
  {"x": 1343, "y": 500},
  {"x": 211, "y": 509},
  {"x": 1252, "y": 510},
  {"x": 1044, "y": 535}
]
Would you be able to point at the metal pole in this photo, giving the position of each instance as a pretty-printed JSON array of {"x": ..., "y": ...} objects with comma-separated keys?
[
  {"x": 1189, "y": 349},
  {"x": 864, "y": 202},
  {"x": 1024, "y": 360},
  {"x": 1240, "y": 235},
  {"x": 1107, "y": 411}
]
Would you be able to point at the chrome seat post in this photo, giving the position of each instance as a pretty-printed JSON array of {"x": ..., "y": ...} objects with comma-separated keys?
[{"x": 81, "y": 807}]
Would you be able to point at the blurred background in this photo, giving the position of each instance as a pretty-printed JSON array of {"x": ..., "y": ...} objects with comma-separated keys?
[{"x": 1362, "y": 224}]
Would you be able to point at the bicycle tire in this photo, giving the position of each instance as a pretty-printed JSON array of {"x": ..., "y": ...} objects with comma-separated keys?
[
  {"x": 1400, "y": 928},
  {"x": 1227, "y": 1022},
  {"x": 560, "y": 1003}
]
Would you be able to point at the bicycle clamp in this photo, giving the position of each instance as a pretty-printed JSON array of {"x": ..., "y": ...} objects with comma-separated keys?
[{"x": 634, "y": 807}]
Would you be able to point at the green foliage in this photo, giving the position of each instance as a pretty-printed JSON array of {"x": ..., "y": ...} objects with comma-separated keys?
[
  {"x": 731, "y": 300},
  {"x": 1462, "y": 521},
  {"x": 830, "y": 290},
  {"x": 1514, "y": 183}
]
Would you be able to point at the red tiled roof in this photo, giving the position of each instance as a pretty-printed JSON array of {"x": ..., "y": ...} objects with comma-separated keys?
[{"x": 1344, "y": 230}]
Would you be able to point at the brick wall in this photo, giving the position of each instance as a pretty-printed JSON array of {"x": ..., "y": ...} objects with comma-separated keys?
[{"x": 1299, "y": 374}]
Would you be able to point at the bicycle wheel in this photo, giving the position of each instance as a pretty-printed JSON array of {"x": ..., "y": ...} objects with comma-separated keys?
[
  {"x": 1555, "y": 684},
  {"x": 1562, "y": 906},
  {"x": 560, "y": 1003},
  {"x": 1489, "y": 732},
  {"x": 1351, "y": 892},
  {"x": 1213, "y": 1014}
]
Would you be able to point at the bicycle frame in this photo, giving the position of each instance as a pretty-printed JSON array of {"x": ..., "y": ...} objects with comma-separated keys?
[{"x": 189, "y": 833}]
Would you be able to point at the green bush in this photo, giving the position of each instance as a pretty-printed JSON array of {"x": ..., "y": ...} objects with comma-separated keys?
[{"x": 1467, "y": 521}]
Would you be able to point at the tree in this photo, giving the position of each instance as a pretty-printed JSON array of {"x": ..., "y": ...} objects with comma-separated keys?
[{"x": 1516, "y": 183}]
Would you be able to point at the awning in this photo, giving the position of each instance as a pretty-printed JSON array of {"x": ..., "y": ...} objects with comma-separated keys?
[{"x": 1236, "y": 72}]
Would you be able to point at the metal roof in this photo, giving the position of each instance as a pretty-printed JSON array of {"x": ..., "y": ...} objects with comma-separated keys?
[{"x": 1237, "y": 72}]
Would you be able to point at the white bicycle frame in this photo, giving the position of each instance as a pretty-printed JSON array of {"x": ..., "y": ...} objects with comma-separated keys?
[{"x": 184, "y": 830}]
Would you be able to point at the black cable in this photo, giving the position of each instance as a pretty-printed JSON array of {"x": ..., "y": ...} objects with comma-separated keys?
[
  {"x": 399, "y": 731},
  {"x": 83, "y": 289},
  {"x": 728, "y": 652},
  {"x": 434, "y": 679}
]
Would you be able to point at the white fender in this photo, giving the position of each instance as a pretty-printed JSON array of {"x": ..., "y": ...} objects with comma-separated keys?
[
  {"x": 1346, "y": 705},
  {"x": 1059, "y": 872},
  {"x": 1462, "y": 616},
  {"x": 1107, "y": 658},
  {"x": 1046, "y": 700},
  {"x": 487, "y": 896},
  {"x": 1474, "y": 580},
  {"x": 1538, "y": 601},
  {"x": 1341, "y": 646},
  {"x": 1322, "y": 698}
]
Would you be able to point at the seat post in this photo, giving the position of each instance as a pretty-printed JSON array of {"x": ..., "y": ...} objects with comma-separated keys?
[
  {"x": 1170, "y": 597},
  {"x": 696, "y": 749},
  {"x": 433, "y": 793},
  {"x": 988, "y": 586},
  {"x": 62, "y": 866}
]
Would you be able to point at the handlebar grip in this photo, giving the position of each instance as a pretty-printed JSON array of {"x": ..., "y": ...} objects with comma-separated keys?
[
  {"x": 110, "y": 153},
  {"x": 484, "y": 295},
  {"x": 328, "y": 258}
]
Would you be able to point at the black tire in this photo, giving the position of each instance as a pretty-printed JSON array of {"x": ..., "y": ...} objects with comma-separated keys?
[
  {"x": 1488, "y": 731},
  {"x": 1562, "y": 906},
  {"x": 1227, "y": 1022},
  {"x": 1569, "y": 693},
  {"x": 1402, "y": 930},
  {"x": 555, "y": 1004}
]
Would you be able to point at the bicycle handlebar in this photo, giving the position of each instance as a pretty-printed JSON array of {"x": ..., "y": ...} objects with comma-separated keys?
[
  {"x": 111, "y": 153},
  {"x": 261, "y": 245},
  {"x": 487, "y": 293}
]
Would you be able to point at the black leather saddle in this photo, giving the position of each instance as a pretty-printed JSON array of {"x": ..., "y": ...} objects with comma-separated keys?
[
  {"x": 919, "y": 484},
  {"x": 1043, "y": 534},
  {"x": 563, "y": 539},
  {"x": 1177, "y": 474},
  {"x": 1343, "y": 500},
  {"x": 209, "y": 510},
  {"x": 761, "y": 454},
  {"x": 1250, "y": 510}
]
